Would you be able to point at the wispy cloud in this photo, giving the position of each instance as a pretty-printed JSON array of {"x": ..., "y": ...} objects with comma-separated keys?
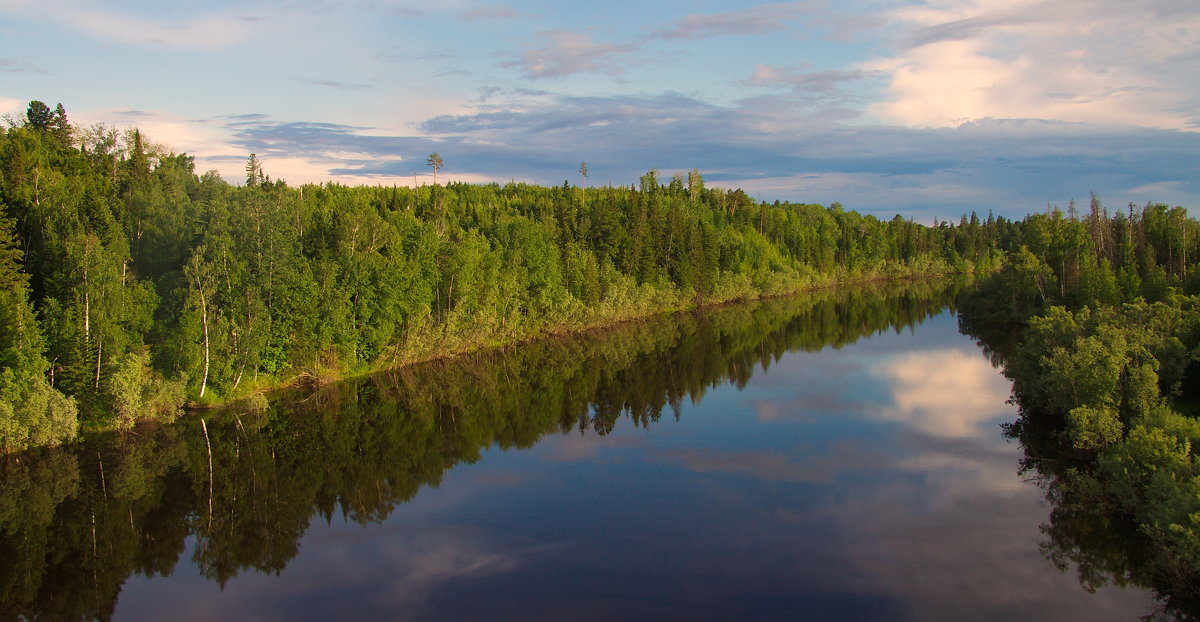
[
  {"x": 399, "y": 56},
  {"x": 13, "y": 66},
  {"x": 815, "y": 89},
  {"x": 847, "y": 26},
  {"x": 497, "y": 12},
  {"x": 250, "y": 116},
  {"x": 386, "y": 7},
  {"x": 334, "y": 84},
  {"x": 755, "y": 20},
  {"x": 795, "y": 76},
  {"x": 204, "y": 30},
  {"x": 560, "y": 53},
  {"x": 942, "y": 172}
]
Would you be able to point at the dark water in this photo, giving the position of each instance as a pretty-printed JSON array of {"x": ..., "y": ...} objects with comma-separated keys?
[{"x": 833, "y": 457}]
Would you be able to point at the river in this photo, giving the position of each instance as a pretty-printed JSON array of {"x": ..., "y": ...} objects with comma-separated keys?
[{"x": 835, "y": 456}]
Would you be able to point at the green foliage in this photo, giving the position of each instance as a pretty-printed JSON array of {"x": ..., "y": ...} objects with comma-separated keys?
[
  {"x": 138, "y": 395},
  {"x": 38, "y": 115},
  {"x": 75, "y": 524},
  {"x": 1024, "y": 287},
  {"x": 32, "y": 413},
  {"x": 129, "y": 252},
  {"x": 142, "y": 271},
  {"x": 1104, "y": 382},
  {"x": 1094, "y": 428}
]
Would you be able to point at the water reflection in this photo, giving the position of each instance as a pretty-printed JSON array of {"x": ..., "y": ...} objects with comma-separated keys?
[
  {"x": 1086, "y": 534},
  {"x": 817, "y": 491},
  {"x": 948, "y": 392}
]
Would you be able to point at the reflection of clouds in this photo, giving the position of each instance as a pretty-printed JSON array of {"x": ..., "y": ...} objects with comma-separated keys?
[
  {"x": 410, "y": 564},
  {"x": 587, "y": 446},
  {"x": 959, "y": 540},
  {"x": 378, "y": 575},
  {"x": 770, "y": 411},
  {"x": 804, "y": 386},
  {"x": 954, "y": 469},
  {"x": 779, "y": 467},
  {"x": 809, "y": 369},
  {"x": 503, "y": 479},
  {"x": 946, "y": 393},
  {"x": 806, "y": 406},
  {"x": 810, "y": 401}
]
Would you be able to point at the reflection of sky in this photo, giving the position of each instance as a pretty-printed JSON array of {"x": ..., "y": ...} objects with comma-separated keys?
[{"x": 868, "y": 482}]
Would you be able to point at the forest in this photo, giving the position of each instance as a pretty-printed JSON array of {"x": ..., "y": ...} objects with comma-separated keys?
[
  {"x": 77, "y": 522},
  {"x": 134, "y": 286},
  {"x": 1096, "y": 320}
]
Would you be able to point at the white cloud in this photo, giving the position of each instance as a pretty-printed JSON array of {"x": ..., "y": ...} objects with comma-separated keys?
[
  {"x": 1071, "y": 60},
  {"x": 12, "y": 106}
]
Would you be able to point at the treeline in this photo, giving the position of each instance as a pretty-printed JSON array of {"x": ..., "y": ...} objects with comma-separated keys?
[
  {"x": 76, "y": 522},
  {"x": 132, "y": 284},
  {"x": 1097, "y": 322}
]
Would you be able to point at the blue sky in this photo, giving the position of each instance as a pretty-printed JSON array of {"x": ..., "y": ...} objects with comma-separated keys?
[{"x": 930, "y": 109}]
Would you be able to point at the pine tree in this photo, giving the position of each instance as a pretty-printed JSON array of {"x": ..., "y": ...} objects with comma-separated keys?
[
  {"x": 60, "y": 128},
  {"x": 38, "y": 115},
  {"x": 434, "y": 162},
  {"x": 254, "y": 172}
]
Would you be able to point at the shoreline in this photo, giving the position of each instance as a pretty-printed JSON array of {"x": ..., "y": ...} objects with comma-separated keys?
[{"x": 314, "y": 380}]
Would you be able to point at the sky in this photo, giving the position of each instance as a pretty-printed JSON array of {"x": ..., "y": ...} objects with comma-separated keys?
[{"x": 931, "y": 109}]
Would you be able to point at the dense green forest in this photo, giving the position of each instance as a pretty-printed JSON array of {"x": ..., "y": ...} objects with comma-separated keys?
[
  {"x": 131, "y": 285},
  {"x": 76, "y": 522},
  {"x": 1096, "y": 320},
  {"x": 134, "y": 285}
]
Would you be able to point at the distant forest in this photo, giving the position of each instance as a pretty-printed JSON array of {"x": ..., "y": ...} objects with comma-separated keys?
[{"x": 130, "y": 285}]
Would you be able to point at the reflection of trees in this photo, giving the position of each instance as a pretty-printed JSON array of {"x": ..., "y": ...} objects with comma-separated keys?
[
  {"x": 1089, "y": 528},
  {"x": 74, "y": 524},
  {"x": 84, "y": 521}
]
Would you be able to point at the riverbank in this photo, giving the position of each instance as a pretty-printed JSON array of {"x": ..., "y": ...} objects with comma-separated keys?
[
  {"x": 425, "y": 348},
  {"x": 124, "y": 311}
]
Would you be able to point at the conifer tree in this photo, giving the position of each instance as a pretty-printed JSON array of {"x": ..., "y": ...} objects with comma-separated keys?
[
  {"x": 434, "y": 161},
  {"x": 38, "y": 115}
]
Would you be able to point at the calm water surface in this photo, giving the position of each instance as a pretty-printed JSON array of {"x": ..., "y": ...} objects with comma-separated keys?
[{"x": 756, "y": 463}]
